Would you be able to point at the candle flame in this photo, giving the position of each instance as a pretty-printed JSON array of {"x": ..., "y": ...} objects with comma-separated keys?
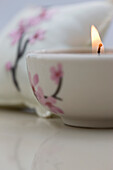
[{"x": 97, "y": 45}]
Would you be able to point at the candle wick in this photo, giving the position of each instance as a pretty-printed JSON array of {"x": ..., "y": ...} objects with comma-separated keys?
[{"x": 99, "y": 48}]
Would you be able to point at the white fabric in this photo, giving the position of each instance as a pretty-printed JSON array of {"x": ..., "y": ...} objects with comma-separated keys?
[{"x": 69, "y": 26}]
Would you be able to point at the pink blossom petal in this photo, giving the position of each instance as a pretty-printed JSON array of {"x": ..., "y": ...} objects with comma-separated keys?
[
  {"x": 32, "y": 40},
  {"x": 34, "y": 21},
  {"x": 56, "y": 73},
  {"x": 41, "y": 32},
  {"x": 21, "y": 23},
  {"x": 40, "y": 91},
  {"x": 47, "y": 14},
  {"x": 55, "y": 78},
  {"x": 51, "y": 100},
  {"x": 35, "y": 79},
  {"x": 15, "y": 37},
  {"x": 17, "y": 34},
  {"x": 41, "y": 36},
  {"x": 43, "y": 13},
  {"x": 55, "y": 109},
  {"x": 8, "y": 66},
  {"x": 40, "y": 95},
  {"x": 52, "y": 70}
]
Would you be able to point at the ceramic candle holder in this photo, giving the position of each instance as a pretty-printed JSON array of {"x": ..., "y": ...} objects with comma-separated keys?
[{"x": 74, "y": 84}]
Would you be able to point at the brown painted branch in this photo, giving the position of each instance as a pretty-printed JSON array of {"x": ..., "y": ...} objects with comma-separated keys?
[
  {"x": 19, "y": 56},
  {"x": 58, "y": 89}
]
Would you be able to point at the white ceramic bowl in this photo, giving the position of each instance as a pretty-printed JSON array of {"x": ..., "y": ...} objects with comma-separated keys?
[{"x": 76, "y": 86}]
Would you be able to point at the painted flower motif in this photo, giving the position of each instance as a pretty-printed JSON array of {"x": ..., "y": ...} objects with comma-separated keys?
[
  {"x": 8, "y": 66},
  {"x": 47, "y": 14},
  {"x": 48, "y": 102},
  {"x": 28, "y": 23},
  {"x": 56, "y": 73},
  {"x": 17, "y": 34},
  {"x": 44, "y": 15},
  {"x": 34, "y": 21},
  {"x": 34, "y": 82},
  {"x": 40, "y": 95},
  {"x": 38, "y": 35}
]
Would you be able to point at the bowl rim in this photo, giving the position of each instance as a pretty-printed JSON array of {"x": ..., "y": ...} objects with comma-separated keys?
[{"x": 70, "y": 53}]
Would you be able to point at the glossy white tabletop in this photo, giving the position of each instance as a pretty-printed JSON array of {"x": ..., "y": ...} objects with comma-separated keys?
[{"x": 28, "y": 142}]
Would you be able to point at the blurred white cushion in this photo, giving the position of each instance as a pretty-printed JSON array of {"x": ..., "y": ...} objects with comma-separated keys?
[{"x": 57, "y": 27}]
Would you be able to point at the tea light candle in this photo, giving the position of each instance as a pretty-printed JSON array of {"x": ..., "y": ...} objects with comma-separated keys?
[
  {"x": 84, "y": 95},
  {"x": 97, "y": 45}
]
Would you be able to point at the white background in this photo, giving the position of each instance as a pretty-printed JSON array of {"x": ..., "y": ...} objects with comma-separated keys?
[{"x": 9, "y": 8}]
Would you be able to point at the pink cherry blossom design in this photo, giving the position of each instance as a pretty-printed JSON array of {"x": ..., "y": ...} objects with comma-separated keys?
[
  {"x": 34, "y": 82},
  {"x": 40, "y": 95},
  {"x": 56, "y": 110},
  {"x": 16, "y": 35},
  {"x": 49, "y": 102},
  {"x": 56, "y": 73},
  {"x": 8, "y": 66},
  {"x": 38, "y": 35},
  {"x": 35, "y": 79},
  {"x": 47, "y": 14},
  {"x": 27, "y": 23},
  {"x": 34, "y": 21},
  {"x": 44, "y": 15}
]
